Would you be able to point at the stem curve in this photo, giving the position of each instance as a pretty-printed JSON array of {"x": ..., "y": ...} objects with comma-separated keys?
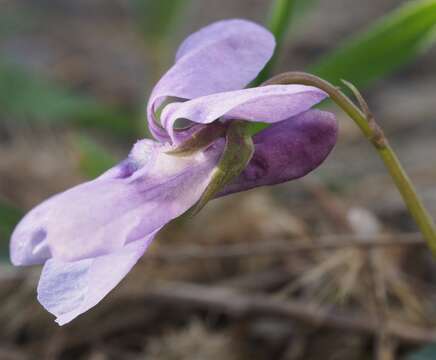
[{"x": 374, "y": 134}]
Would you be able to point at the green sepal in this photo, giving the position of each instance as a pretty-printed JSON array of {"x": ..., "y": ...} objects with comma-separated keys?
[
  {"x": 200, "y": 139},
  {"x": 238, "y": 151}
]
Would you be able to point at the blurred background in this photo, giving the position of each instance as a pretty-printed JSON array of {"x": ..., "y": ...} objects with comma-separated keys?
[{"x": 327, "y": 267}]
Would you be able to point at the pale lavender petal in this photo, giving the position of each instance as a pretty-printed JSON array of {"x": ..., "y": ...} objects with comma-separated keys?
[
  {"x": 288, "y": 150},
  {"x": 223, "y": 56},
  {"x": 68, "y": 289},
  {"x": 29, "y": 249},
  {"x": 269, "y": 104},
  {"x": 130, "y": 201}
]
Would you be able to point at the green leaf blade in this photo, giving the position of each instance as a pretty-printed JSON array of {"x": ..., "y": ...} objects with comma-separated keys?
[
  {"x": 155, "y": 18},
  {"x": 27, "y": 97},
  {"x": 9, "y": 218},
  {"x": 390, "y": 43},
  {"x": 93, "y": 158},
  {"x": 427, "y": 352}
]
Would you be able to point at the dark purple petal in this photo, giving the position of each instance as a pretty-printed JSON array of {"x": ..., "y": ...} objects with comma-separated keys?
[
  {"x": 68, "y": 289},
  {"x": 288, "y": 150},
  {"x": 223, "y": 56},
  {"x": 123, "y": 205},
  {"x": 270, "y": 104}
]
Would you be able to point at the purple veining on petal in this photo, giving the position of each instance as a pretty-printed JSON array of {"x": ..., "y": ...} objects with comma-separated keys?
[
  {"x": 223, "y": 56},
  {"x": 288, "y": 150},
  {"x": 100, "y": 216},
  {"x": 68, "y": 289}
]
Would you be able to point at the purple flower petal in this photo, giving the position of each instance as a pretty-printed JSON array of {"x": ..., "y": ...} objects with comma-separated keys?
[
  {"x": 223, "y": 56},
  {"x": 123, "y": 205},
  {"x": 68, "y": 289},
  {"x": 288, "y": 150},
  {"x": 270, "y": 104}
]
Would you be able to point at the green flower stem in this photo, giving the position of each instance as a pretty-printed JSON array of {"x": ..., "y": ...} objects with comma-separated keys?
[{"x": 375, "y": 135}]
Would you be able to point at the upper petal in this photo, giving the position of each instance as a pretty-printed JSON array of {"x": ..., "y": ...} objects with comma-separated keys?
[
  {"x": 270, "y": 104},
  {"x": 100, "y": 216},
  {"x": 68, "y": 289},
  {"x": 223, "y": 56},
  {"x": 288, "y": 150}
]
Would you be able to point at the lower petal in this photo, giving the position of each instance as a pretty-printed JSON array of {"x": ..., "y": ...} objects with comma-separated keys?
[
  {"x": 125, "y": 204},
  {"x": 68, "y": 289}
]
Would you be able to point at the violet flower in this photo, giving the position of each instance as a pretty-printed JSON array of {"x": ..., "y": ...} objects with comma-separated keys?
[{"x": 90, "y": 236}]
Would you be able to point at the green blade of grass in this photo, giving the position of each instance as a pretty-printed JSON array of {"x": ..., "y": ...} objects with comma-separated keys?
[
  {"x": 279, "y": 22},
  {"x": 155, "y": 18},
  {"x": 25, "y": 96},
  {"x": 94, "y": 159},
  {"x": 282, "y": 14},
  {"x": 9, "y": 217},
  {"x": 427, "y": 352},
  {"x": 391, "y": 42}
]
